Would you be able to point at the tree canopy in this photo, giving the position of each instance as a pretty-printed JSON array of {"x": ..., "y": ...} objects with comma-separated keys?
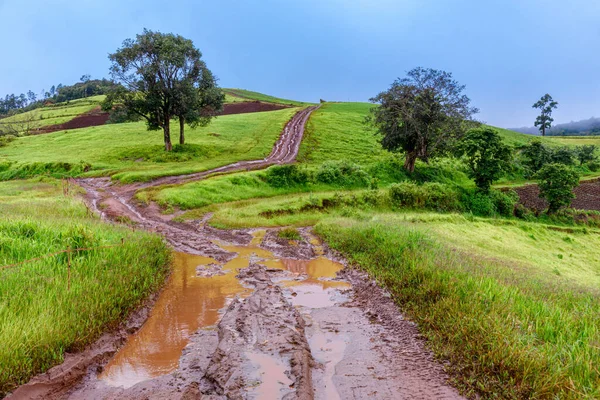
[
  {"x": 487, "y": 156},
  {"x": 162, "y": 76},
  {"x": 422, "y": 114},
  {"x": 557, "y": 182}
]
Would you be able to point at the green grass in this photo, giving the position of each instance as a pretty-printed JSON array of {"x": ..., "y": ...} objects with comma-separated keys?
[
  {"x": 53, "y": 114},
  {"x": 129, "y": 152},
  {"x": 289, "y": 233},
  {"x": 40, "y": 317},
  {"x": 336, "y": 132},
  {"x": 576, "y": 140},
  {"x": 250, "y": 95},
  {"x": 509, "y": 330}
]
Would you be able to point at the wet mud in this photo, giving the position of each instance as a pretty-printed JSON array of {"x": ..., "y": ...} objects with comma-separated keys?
[{"x": 248, "y": 315}]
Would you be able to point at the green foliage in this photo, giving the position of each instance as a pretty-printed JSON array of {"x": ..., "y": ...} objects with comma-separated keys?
[
  {"x": 342, "y": 174},
  {"x": 290, "y": 175},
  {"x": 421, "y": 115},
  {"x": 431, "y": 195},
  {"x": 289, "y": 234},
  {"x": 556, "y": 182},
  {"x": 563, "y": 155},
  {"x": 586, "y": 154},
  {"x": 545, "y": 104},
  {"x": 487, "y": 157},
  {"x": 536, "y": 155},
  {"x": 593, "y": 166},
  {"x": 250, "y": 95}
]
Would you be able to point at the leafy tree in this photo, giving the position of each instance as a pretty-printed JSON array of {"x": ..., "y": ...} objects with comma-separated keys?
[
  {"x": 586, "y": 153},
  {"x": 563, "y": 155},
  {"x": 31, "y": 97},
  {"x": 85, "y": 78},
  {"x": 557, "y": 182},
  {"x": 487, "y": 156},
  {"x": 197, "y": 101},
  {"x": 159, "y": 76},
  {"x": 536, "y": 155},
  {"x": 544, "y": 121},
  {"x": 422, "y": 114}
]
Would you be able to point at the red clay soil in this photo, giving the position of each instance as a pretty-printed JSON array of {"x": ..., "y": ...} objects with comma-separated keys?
[
  {"x": 250, "y": 107},
  {"x": 95, "y": 117},
  {"x": 587, "y": 196}
]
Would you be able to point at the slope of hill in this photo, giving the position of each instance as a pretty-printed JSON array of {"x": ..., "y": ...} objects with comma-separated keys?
[{"x": 250, "y": 95}]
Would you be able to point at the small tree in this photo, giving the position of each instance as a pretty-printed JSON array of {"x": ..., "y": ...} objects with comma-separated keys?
[
  {"x": 544, "y": 121},
  {"x": 487, "y": 156},
  {"x": 422, "y": 115},
  {"x": 563, "y": 155},
  {"x": 159, "y": 76},
  {"x": 557, "y": 182},
  {"x": 536, "y": 155},
  {"x": 586, "y": 153}
]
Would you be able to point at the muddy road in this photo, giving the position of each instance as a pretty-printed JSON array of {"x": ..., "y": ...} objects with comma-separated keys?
[{"x": 246, "y": 314}]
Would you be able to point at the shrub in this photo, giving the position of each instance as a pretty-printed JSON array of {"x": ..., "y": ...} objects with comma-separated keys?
[
  {"x": 557, "y": 182},
  {"x": 536, "y": 155},
  {"x": 563, "y": 155},
  {"x": 479, "y": 203},
  {"x": 586, "y": 154},
  {"x": 342, "y": 174},
  {"x": 6, "y": 139},
  {"x": 285, "y": 176},
  {"x": 593, "y": 166},
  {"x": 406, "y": 194},
  {"x": 504, "y": 202}
]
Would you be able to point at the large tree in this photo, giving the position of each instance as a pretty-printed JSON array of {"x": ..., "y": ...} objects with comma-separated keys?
[
  {"x": 422, "y": 115},
  {"x": 163, "y": 76},
  {"x": 545, "y": 104}
]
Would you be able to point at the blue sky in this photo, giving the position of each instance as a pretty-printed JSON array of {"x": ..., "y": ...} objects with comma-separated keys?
[{"x": 508, "y": 52}]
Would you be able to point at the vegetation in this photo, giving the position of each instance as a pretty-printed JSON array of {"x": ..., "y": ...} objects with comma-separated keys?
[
  {"x": 247, "y": 95},
  {"x": 422, "y": 115},
  {"x": 544, "y": 121},
  {"x": 509, "y": 331},
  {"x": 47, "y": 309},
  {"x": 289, "y": 234},
  {"x": 557, "y": 182},
  {"x": 138, "y": 156},
  {"x": 163, "y": 76},
  {"x": 487, "y": 157}
]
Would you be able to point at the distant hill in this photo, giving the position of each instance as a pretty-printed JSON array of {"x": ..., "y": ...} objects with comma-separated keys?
[{"x": 585, "y": 127}]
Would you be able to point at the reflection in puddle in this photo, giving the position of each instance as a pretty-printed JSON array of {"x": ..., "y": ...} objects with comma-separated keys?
[
  {"x": 274, "y": 383},
  {"x": 190, "y": 302}
]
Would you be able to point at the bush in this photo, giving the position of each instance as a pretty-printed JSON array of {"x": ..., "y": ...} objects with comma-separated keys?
[
  {"x": 432, "y": 195},
  {"x": 557, "y": 182},
  {"x": 280, "y": 176},
  {"x": 6, "y": 139},
  {"x": 289, "y": 234},
  {"x": 563, "y": 155},
  {"x": 342, "y": 174},
  {"x": 536, "y": 155},
  {"x": 504, "y": 202},
  {"x": 479, "y": 203},
  {"x": 593, "y": 166}
]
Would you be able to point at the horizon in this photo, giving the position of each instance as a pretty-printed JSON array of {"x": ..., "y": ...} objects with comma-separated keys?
[{"x": 335, "y": 50}]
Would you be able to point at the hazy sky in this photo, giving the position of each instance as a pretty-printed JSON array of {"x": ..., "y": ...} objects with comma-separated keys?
[{"x": 507, "y": 52}]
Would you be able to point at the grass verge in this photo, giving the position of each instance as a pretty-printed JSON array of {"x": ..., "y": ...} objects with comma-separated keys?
[
  {"x": 508, "y": 331},
  {"x": 41, "y": 317}
]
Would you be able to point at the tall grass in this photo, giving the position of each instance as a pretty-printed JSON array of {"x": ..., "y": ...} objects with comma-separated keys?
[
  {"x": 41, "y": 317},
  {"x": 508, "y": 332}
]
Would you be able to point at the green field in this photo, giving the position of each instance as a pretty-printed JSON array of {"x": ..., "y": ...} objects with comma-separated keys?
[
  {"x": 41, "y": 317},
  {"x": 128, "y": 152},
  {"x": 249, "y": 95},
  {"x": 53, "y": 114},
  {"x": 576, "y": 140}
]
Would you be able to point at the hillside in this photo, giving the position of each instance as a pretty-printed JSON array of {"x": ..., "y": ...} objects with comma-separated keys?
[{"x": 508, "y": 301}]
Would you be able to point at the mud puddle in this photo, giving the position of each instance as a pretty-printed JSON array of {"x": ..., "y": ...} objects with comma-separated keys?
[{"x": 198, "y": 293}]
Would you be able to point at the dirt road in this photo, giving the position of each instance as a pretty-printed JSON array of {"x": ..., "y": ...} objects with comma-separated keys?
[{"x": 248, "y": 315}]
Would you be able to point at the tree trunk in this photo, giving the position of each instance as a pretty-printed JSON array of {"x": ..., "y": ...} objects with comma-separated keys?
[
  {"x": 543, "y": 130},
  {"x": 181, "y": 129},
  {"x": 409, "y": 163},
  {"x": 167, "y": 131}
]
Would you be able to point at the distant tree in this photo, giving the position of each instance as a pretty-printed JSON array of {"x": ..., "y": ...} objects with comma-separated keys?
[
  {"x": 31, "y": 97},
  {"x": 159, "y": 76},
  {"x": 536, "y": 155},
  {"x": 422, "y": 115},
  {"x": 52, "y": 90},
  {"x": 487, "y": 156},
  {"x": 556, "y": 183},
  {"x": 85, "y": 78},
  {"x": 544, "y": 121},
  {"x": 586, "y": 153}
]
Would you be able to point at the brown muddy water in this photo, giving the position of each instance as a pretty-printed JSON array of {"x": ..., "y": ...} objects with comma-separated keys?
[{"x": 191, "y": 302}]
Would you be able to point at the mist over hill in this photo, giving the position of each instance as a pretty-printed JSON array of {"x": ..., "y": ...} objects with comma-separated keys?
[{"x": 585, "y": 127}]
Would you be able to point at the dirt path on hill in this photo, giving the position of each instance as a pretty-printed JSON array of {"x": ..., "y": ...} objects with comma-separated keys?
[{"x": 286, "y": 319}]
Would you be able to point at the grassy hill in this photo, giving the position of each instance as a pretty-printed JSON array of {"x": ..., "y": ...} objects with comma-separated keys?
[
  {"x": 54, "y": 114},
  {"x": 249, "y": 95}
]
